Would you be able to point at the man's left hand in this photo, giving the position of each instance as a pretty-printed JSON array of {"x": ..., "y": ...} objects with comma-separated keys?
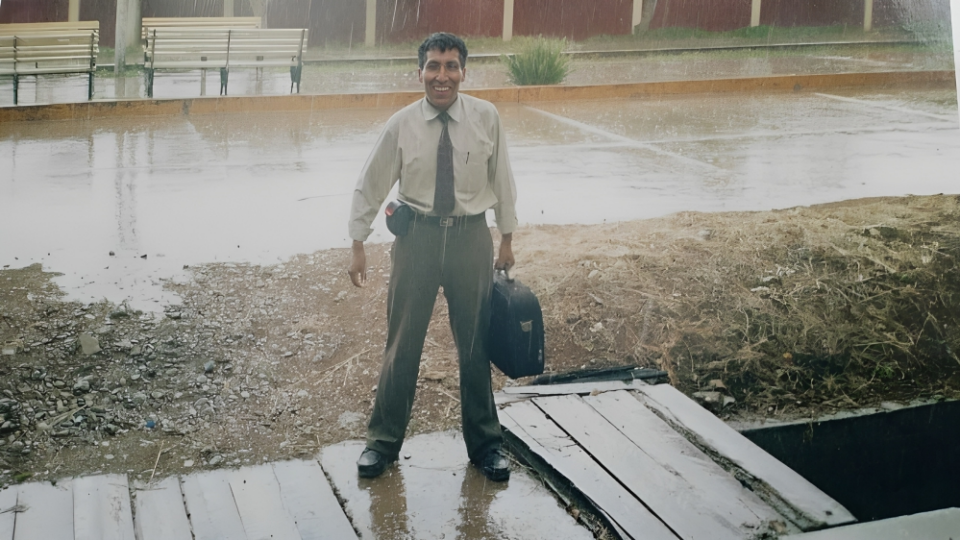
[{"x": 505, "y": 260}]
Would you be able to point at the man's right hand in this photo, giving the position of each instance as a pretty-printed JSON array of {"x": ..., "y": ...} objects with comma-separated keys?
[{"x": 358, "y": 266}]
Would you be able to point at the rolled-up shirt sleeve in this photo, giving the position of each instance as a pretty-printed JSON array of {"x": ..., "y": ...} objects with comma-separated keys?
[
  {"x": 501, "y": 182},
  {"x": 379, "y": 174}
]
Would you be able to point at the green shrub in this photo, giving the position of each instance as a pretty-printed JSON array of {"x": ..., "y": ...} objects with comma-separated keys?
[{"x": 539, "y": 62}]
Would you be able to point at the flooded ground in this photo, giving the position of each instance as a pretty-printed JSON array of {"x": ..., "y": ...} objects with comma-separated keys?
[{"x": 119, "y": 206}]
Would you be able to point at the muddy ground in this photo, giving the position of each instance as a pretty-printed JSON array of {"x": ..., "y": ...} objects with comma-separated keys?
[{"x": 783, "y": 314}]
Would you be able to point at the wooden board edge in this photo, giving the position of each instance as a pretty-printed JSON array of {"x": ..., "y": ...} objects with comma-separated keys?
[
  {"x": 590, "y": 515},
  {"x": 798, "y": 516}
]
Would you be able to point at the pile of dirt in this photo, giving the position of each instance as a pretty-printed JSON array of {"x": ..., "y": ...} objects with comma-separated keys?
[
  {"x": 783, "y": 314},
  {"x": 789, "y": 312}
]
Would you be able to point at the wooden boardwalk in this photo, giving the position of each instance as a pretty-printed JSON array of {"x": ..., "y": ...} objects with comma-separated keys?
[
  {"x": 648, "y": 460},
  {"x": 287, "y": 500},
  {"x": 658, "y": 466}
]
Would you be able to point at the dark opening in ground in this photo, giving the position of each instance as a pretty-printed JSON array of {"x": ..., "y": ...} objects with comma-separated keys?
[{"x": 882, "y": 465}]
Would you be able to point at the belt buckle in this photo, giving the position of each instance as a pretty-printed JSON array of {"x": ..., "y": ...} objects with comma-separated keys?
[{"x": 447, "y": 221}]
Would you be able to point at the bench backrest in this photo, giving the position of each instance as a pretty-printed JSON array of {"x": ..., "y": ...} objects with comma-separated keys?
[
  {"x": 149, "y": 23},
  {"x": 223, "y": 47},
  {"x": 25, "y": 28},
  {"x": 36, "y": 52}
]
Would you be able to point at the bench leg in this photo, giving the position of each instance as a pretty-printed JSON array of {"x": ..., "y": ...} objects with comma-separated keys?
[
  {"x": 295, "y": 72},
  {"x": 150, "y": 83},
  {"x": 90, "y": 88},
  {"x": 16, "y": 83},
  {"x": 203, "y": 82},
  {"x": 224, "y": 78}
]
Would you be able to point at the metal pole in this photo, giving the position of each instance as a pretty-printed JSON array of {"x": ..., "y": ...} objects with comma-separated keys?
[{"x": 507, "y": 20}]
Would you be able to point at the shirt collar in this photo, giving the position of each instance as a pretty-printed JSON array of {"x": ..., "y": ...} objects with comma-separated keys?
[{"x": 455, "y": 111}]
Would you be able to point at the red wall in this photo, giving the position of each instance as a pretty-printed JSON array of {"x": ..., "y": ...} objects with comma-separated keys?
[
  {"x": 329, "y": 21},
  {"x": 812, "y": 12},
  {"x": 412, "y": 20},
  {"x": 572, "y": 19},
  {"x": 712, "y": 15},
  {"x": 31, "y": 11},
  {"x": 906, "y": 12},
  {"x": 398, "y": 21}
]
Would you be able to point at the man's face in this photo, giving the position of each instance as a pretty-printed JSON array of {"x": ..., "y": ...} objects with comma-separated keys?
[{"x": 441, "y": 75}]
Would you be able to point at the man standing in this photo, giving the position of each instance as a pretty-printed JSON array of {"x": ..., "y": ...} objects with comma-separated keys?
[{"x": 449, "y": 153}]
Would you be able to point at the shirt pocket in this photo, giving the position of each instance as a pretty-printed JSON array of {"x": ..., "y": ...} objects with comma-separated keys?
[{"x": 470, "y": 162}]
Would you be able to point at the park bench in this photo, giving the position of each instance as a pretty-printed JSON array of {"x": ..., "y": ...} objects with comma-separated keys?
[
  {"x": 49, "y": 48},
  {"x": 186, "y": 48},
  {"x": 149, "y": 23}
]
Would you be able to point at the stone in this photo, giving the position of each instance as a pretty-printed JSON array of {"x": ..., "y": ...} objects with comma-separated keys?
[
  {"x": 157, "y": 394},
  {"x": 139, "y": 398},
  {"x": 215, "y": 460},
  {"x": 89, "y": 344},
  {"x": 81, "y": 387},
  {"x": 208, "y": 367}
]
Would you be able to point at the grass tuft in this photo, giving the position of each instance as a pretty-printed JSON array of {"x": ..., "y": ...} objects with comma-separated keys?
[{"x": 541, "y": 61}]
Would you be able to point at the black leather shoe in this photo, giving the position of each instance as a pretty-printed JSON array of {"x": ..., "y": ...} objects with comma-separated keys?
[
  {"x": 494, "y": 466},
  {"x": 371, "y": 463}
]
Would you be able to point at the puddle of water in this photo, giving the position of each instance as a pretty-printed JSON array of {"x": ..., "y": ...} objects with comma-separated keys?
[
  {"x": 260, "y": 188},
  {"x": 437, "y": 494}
]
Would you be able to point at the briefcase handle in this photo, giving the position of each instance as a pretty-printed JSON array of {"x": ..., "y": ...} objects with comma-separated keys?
[{"x": 506, "y": 274}]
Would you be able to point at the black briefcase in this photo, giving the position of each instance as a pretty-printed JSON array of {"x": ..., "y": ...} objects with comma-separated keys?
[{"x": 515, "y": 340}]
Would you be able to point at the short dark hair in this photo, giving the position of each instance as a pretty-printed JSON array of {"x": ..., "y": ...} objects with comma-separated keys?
[{"x": 442, "y": 41}]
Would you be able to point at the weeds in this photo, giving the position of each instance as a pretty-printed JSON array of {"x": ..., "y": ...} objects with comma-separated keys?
[{"x": 540, "y": 62}]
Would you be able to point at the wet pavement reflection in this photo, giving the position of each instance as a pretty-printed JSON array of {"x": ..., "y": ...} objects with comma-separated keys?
[
  {"x": 118, "y": 206},
  {"x": 436, "y": 493}
]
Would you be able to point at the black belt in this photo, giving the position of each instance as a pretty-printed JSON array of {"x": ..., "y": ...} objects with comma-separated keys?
[{"x": 450, "y": 221}]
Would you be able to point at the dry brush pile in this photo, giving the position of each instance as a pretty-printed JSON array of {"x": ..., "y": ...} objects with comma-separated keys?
[{"x": 839, "y": 305}]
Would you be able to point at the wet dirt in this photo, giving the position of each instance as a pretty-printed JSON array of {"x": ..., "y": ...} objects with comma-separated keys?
[{"x": 264, "y": 362}]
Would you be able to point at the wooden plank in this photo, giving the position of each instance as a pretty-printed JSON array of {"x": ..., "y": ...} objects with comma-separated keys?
[
  {"x": 8, "y": 514},
  {"x": 679, "y": 504},
  {"x": 101, "y": 508},
  {"x": 781, "y": 487},
  {"x": 48, "y": 511},
  {"x": 257, "y": 496},
  {"x": 210, "y": 506},
  {"x": 551, "y": 444},
  {"x": 160, "y": 514},
  {"x": 511, "y": 394},
  {"x": 307, "y": 495},
  {"x": 728, "y": 498},
  {"x": 935, "y": 525}
]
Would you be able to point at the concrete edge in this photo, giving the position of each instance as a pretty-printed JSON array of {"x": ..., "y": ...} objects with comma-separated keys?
[{"x": 520, "y": 94}]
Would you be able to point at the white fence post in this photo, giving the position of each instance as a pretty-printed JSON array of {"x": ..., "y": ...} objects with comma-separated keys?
[
  {"x": 867, "y": 15},
  {"x": 370, "y": 37},
  {"x": 508, "y": 20},
  {"x": 755, "y": 13}
]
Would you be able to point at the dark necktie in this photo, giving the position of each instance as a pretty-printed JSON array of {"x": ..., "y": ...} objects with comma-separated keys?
[{"x": 443, "y": 198}]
